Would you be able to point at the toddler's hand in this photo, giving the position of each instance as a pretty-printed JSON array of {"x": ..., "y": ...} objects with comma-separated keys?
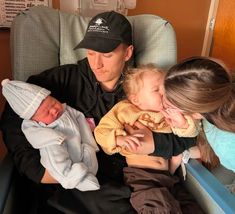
[
  {"x": 144, "y": 135},
  {"x": 175, "y": 118}
]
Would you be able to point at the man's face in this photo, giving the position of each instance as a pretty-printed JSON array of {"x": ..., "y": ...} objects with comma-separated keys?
[{"x": 107, "y": 67}]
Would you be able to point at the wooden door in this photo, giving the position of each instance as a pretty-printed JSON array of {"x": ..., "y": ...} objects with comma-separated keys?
[{"x": 223, "y": 45}]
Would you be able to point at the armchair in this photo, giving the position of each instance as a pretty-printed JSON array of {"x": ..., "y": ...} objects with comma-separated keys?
[{"x": 43, "y": 37}]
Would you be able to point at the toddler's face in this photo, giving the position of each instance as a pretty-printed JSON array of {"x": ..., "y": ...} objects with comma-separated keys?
[
  {"x": 150, "y": 95},
  {"x": 49, "y": 110}
]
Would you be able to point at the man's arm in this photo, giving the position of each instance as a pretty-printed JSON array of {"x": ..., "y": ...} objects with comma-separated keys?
[
  {"x": 168, "y": 144},
  {"x": 164, "y": 145},
  {"x": 48, "y": 179},
  {"x": 25, "y": 157},
  {"x": 60, "y": 81}
]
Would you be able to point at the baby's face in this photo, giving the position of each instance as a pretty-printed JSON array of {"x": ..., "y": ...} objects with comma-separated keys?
[
  {"x": 150, "y": 95},
  {"x": 49, "y": 110}
]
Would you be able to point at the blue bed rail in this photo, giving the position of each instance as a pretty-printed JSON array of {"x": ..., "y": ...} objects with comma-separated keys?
[{"x": 213, "y": 196}]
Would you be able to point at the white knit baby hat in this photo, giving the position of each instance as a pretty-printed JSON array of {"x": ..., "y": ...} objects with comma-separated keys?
[{"x": 24, "y": 98}]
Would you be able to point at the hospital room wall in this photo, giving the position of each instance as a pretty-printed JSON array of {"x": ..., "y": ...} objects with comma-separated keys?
[
  {"x": 5, "y": 72},
  {"x": 189, "y": 19}
]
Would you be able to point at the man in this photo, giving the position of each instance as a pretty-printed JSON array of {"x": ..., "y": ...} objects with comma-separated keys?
[{"x": 92, "y": 86}]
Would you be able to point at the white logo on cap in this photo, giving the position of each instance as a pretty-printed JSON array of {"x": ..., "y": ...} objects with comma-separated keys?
[
  {"x": 99, "y": 26},
  {"x": 99, "y": 21}
]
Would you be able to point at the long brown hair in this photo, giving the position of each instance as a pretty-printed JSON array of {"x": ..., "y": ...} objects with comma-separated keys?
[{"x": 203, "y": 85}]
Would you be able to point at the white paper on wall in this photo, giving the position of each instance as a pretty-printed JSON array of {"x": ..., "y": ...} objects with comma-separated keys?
[
  {"x": 92, "y": 7},
  {"x": 10, "y": 8}
]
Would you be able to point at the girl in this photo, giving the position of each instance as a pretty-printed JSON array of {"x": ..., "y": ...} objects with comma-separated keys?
[{"x": 204, "y": 88}]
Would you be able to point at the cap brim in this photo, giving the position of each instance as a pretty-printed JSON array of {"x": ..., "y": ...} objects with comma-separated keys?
[{"x": 102, "y": 45}]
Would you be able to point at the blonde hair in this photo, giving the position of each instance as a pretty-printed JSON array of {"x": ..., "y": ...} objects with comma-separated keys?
[
  {"x": 133, "y": 78},
  {"x": 203, "y": 85}
]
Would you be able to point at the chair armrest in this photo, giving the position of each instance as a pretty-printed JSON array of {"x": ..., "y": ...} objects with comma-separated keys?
[
  {"x": 6, "y": 178},
  {"x": 212, "y": 196}
]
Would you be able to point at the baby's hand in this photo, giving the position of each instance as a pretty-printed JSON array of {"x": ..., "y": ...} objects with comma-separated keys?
[
  {"x": 175, "y": 118},
  {"x": 129, "y": 142}
]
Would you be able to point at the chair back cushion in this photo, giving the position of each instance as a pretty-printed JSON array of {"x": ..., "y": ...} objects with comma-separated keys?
[{"x": 42, "y": 37}]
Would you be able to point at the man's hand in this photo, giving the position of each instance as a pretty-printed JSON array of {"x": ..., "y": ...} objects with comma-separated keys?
[
  {"x": 195, "y": 152},
  {"x": 48, "y": 179},
  {"x": 146, "y": 139},
  {"x": 174, "y": 163},
  {"x": 129, "y": 142}
]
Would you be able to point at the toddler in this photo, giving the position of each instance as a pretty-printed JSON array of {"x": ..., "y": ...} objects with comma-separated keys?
[{"x": 143, "y": 87}]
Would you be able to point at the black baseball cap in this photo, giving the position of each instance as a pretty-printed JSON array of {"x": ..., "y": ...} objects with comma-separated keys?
[{"x": 106, "y": 31}]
